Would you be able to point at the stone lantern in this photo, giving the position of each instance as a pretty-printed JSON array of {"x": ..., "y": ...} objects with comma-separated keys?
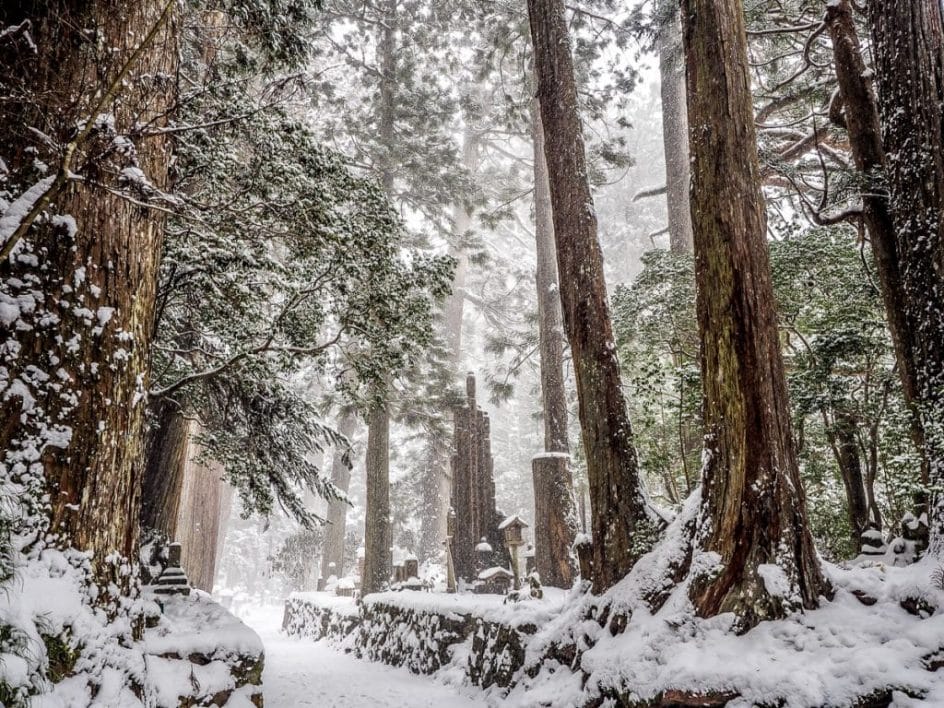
[{"x": 513, "y": 529}]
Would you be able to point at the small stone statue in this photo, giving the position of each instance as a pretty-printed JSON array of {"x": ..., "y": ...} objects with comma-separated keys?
[{"x": 173, "y": 580}]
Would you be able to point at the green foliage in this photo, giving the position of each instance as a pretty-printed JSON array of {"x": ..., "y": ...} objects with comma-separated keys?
[
  {"x": 657, "y": 336},
  {"x": 280, "y": 265},
  {"x": 839, "y": 362},
  {"x": 267, "y": 32},
  {"x": 297, "y": 555},
  {"x": 61, "y": 655}
]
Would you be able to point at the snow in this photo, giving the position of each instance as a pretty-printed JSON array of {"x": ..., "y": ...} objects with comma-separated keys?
[
  {"x": 489, "y": 607},
  {"x": 302, "y": 673},
  {"x": 196, "y": 625},
  {"x": 510, "y": 520},
  {"x": 832, "y": 656},
  {"x": 551, "y": 456},
  {"x": 15, "y": 213}
]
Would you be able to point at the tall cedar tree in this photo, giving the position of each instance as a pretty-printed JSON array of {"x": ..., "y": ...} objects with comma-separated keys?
[
  {"x": 859, "y": 116},
  {"x": 621, "y": 523},
  {"x": 555, "y": 515},
  {"x": 675, "y": 131},
  {"x": 908, "y": 47},
  {"x": 76, "y": 360},
  {"x": 753, "y": 518},
  {"x": 378, "y": 536}
]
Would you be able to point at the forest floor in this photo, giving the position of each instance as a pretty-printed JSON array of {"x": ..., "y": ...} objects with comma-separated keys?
[{"x": 299, "y": 672}]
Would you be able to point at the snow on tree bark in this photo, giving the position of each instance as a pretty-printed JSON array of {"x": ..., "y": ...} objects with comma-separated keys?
[
  {"x": 753, "y": 517},
  {"x": 76, "y": 361},
  {"x": 622, "y": 526}
]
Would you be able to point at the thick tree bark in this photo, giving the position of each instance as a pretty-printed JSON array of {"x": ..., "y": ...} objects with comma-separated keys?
[
  {"x": 675, "y": 134},
  {"x": 622, "y": 526},
  {"x": 555, "y": 518},
  {"x": 333, "y": 548},
  {"x": 199, "y": 521},
  {"x": 908, "y": 47},
  {"x": 165, "y": 463},
  {"x": 377, "y": 535},
  {"x": 860, "y": 118},
  {"x": 753, "y": 520},
  {"x": 79, "y": 370}
]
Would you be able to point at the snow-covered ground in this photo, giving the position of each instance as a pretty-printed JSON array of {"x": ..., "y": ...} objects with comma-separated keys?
[{"x": 300, "y": 672}]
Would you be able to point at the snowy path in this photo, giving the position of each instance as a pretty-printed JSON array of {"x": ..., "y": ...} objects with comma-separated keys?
[{"x": 305, "y": 673}]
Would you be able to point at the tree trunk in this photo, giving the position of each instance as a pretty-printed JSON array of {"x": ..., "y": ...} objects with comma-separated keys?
[
  {"x": 550, "y": 318},
  {"x": 437, "y": 483},
  {"x": 860, "y": 118},
  {"x": 753, "y": 519},
  {"x": 199, "y": 522},
  {"x": 845, "y": 446},
  {"x": 555, "y": 518},
  {"x": 908, "y": 46},
  {"x": 76, "y": 360},
  {"x": 333, "y": 548},
  {"x": 622, "y": 526},
  {"x": 675, "y": 134},
  {"x": 377, "y": 536},
  {"x": 165, "y": 463}
]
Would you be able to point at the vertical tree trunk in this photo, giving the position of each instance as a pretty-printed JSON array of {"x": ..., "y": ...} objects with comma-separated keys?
[
  {"x": 550, "y": 318},
  {"x": 75, "y": 361},
  {"x": 377, "y": 536},
  {"x": 753, "y": 520},
  {"x": 842, "y": 439},
  {"x": 860, "y": 118},
  {"x": 908, "y": 46},
  {"x": 377, "y": 533},
  {"x": 437, "y": 484},
  {"x": 675, "y": 133},
  {"x": 199, "y": 521},
  {"x": 555, "y": 518},
  {"x": 333, "y": 548},
  {"x": 165, "y": 463},
  {"x": 622, "y": 526}
]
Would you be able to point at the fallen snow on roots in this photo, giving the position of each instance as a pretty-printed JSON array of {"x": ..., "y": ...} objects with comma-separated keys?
[{"x": 883, "y": 633}]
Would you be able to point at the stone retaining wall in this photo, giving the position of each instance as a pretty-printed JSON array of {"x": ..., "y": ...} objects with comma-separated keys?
[{"x": 420, "y": 639}]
